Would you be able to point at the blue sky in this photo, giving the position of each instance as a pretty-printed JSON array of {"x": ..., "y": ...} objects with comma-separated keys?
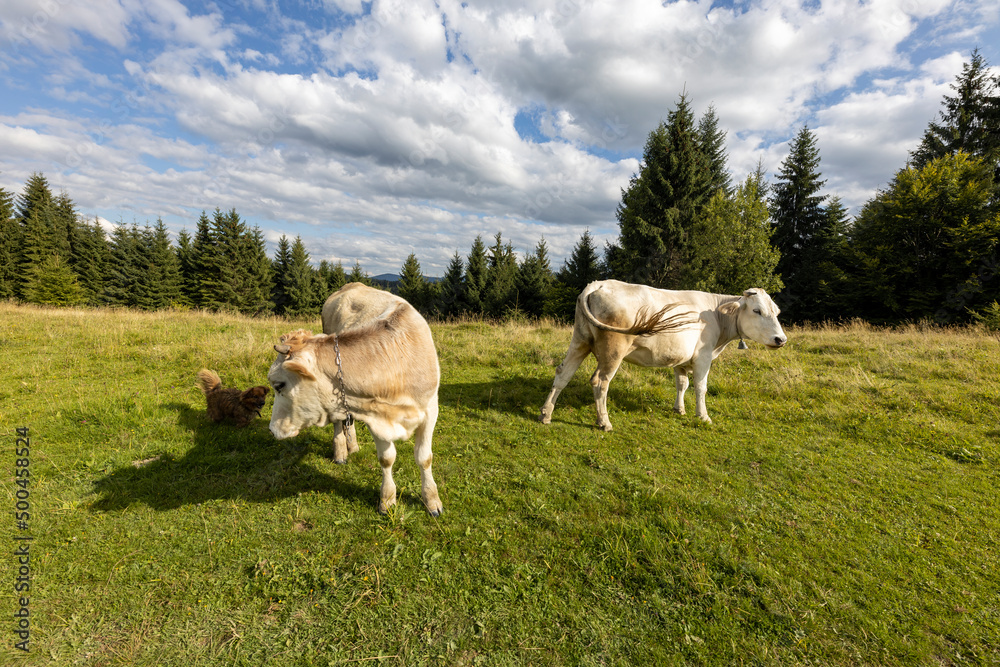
[{"x": 377, "y": 129}]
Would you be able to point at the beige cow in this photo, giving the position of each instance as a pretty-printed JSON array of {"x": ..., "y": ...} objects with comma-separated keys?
[
  {"x": 352, "y": 306},
  {"x": 384, "y": 372},
  {"x": 685, "y": 330}
]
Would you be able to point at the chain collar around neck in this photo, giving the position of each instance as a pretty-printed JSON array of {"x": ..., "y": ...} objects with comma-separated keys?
[{"x": 340, "y": 378}]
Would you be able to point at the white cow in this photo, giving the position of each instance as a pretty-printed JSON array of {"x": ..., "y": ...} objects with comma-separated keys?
[
  {"x": 384, "y": 372},
  {"x": 685, "y": 330}
]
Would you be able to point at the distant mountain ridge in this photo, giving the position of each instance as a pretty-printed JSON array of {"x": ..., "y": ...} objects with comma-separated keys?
[{"x": 393, "y": 278}]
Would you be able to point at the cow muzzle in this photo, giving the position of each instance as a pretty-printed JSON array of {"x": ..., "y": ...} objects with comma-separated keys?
[
  {"x": 282, "y": 434},
  {"x": 779, "y": 341}
]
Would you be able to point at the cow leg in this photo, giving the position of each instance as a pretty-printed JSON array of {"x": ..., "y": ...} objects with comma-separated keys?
[
  {"x": 610, "y": 354},
  {"x": 578, "y": 351},
  {"x": 681, "y": 382},
  {"x": 345, "y": 441},
  {"x": 386, "y": 451},
  {"x": 423, "y": 456},
  {"x": 700, "y": 381}
]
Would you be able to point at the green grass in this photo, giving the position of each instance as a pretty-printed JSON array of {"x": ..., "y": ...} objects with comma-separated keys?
[{"x": 840, "y": 510}]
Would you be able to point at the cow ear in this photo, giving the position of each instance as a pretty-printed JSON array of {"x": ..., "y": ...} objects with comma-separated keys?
[
  {"x": 746, "y": 295},
  {"x": 299, "y": 370}
]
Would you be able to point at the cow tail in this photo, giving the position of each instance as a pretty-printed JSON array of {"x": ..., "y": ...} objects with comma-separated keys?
[
  {"x": 659, "y": 322},
  {"x": 644, "y": 324}
]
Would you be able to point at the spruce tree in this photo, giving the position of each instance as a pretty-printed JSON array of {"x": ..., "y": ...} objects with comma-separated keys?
[
  {"x": 195, "y": 268},
  {"x": 358, "y": 274},
  {"x": 52, "y": 282},
  {"x": 40, "y": 233},
  {"x": 713, "y": 143},
  {"x": 146, "y": 285},
  {"x": 797, "y": 214},
  {"x": 662, "y": 203},
  {"x": 451, "y": 296},
  {"x": 259, "y": 274},
  {"x": 830, "y": 262},
  {"x": 37, "y": 244},
  {"x": 89, "y": 256},
  {"x": 970, "y": 120},
  {"x": 46, "y": 262},
  {"x": 164, "y": 271},
  {"x": 731, "y": 242},
  {"x": 583, "y": 265},
  {"x": 185, "y": 262},
  {"x": 534, "y": 281},
  {"x": 218, "y": 282},
  {"x": 412, "y": 285},
  {"x": 10, "y": 246},
  {"x": 299, "y": 284},
  {"x": 475, "y": 278},
  {"x": 332, "y": 277},
  {"x": 280, "y": 269},
  {"x": 501, "y": 278},
  {"x": 125, "y": 284},
  {"x": 235, "y": 269},
  {"x": 64, "y": 223},
  {"x": 581, "y": 268},
  {"x": 36, "y": 196}
]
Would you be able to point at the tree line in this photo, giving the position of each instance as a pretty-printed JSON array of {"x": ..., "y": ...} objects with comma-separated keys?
[
  {"x": 925, "y": 247},
  {"x": 51, "y": 255}
]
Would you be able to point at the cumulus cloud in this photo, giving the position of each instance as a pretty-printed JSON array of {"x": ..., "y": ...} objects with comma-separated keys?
[{"x": 376, "y": 130}]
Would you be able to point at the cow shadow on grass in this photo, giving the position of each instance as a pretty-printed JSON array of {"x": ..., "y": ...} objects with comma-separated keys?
[
  {"x": 520, "y": 397},
  {"x": 523, "y": 397},
  {"x": 225, "y": 462}
]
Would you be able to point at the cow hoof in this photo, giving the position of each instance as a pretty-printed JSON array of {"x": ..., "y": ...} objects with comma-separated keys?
[
  {"x": 340, "y": 462},
  {"x": 545, "y": 419},
  {"x": 605, "y": 427},
  {"x": 436, "y": 513}
]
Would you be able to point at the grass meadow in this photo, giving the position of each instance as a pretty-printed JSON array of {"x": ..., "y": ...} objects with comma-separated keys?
[{"x": 841, "y": 509}]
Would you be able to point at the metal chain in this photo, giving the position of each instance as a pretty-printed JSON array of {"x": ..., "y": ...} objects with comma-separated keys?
[{"x": 343, "y": 390}]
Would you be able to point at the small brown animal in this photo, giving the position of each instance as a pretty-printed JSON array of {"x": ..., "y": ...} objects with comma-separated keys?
[{"x": 240, "y": 407}]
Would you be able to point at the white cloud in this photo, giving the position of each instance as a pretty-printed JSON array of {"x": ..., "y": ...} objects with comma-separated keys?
[
  {"x": 57, "y": 25},
  {"x": 376, "y": 134}
]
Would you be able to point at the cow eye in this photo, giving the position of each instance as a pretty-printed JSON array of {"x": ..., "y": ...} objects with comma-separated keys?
[
  {"x": 278, "y": 386},
  {"x": 757, "y": 310}
]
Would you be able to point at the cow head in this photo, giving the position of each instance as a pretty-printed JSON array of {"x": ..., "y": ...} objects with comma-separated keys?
[
  {"x": 303, "y": 393},
  {"x": 758, "y": 319}
]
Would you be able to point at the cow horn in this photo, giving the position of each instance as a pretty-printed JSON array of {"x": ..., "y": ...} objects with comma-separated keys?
[
  {"x": 750, "y": 292},
  {"x": 282, "y": 349}
]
